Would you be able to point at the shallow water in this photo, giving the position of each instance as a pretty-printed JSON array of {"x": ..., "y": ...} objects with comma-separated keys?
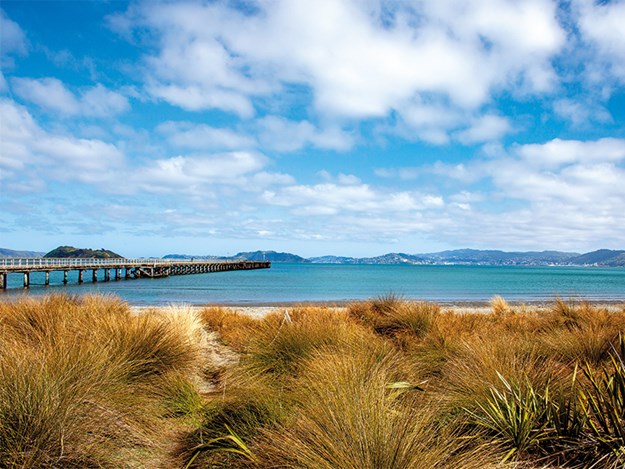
[{"x": 293, "y": 283}]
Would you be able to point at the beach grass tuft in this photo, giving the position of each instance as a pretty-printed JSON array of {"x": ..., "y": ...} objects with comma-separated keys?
[{"x": 388, "y": 382}]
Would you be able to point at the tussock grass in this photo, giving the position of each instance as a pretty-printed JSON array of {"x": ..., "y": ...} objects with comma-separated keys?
[
  {"x": 234, "y": 328},
  {"x": 248, "y": 403},
  {"x": 85, "y": 382},
  {"x": 282, "y": 342},
  {"x": 389, "y": 316},
  {"x": 499, "y": 306},
  {"x": 580, "y": 332},
  {"x": 469, "y": 379},
  {"x": 351, "y": 414}
]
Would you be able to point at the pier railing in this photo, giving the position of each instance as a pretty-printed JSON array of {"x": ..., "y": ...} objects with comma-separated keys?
[
  {"x": 134, "y": 268},
  {"x": 17, "y": 263}
]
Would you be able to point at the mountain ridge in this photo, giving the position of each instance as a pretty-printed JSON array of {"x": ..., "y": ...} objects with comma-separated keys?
[{"x": 601, "y": 257}]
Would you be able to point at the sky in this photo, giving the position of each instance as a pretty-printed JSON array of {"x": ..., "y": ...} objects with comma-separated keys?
[{"x": 318, "y": 127}]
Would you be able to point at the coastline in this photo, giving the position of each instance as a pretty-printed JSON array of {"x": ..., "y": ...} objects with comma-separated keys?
[{"x": 458, "y": 307}]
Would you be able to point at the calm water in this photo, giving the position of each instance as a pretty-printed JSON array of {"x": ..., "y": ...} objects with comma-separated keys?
[{"x": 319, "y": 282}]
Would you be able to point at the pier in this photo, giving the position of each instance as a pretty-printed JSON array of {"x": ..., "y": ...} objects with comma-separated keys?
[{"x": 118, "y": 269}]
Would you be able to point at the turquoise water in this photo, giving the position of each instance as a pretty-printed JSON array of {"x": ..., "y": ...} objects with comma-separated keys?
[{"x": 293, "y": 283}]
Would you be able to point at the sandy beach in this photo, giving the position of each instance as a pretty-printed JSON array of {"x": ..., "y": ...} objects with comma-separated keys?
[{"x": 468, "y": 307}]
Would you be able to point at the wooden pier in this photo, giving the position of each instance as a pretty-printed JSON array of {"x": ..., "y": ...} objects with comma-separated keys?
[{"x": 118, "y": 268}]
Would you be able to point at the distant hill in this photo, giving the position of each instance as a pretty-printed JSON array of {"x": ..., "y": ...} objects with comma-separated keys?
[
  {"x": 5, "y": 253},
  {"x": 474, "y": 256},
  {"x": 602, "y": 257},
  {"x": 70, "y": 251},
  {"x": 271, "y": 256}
]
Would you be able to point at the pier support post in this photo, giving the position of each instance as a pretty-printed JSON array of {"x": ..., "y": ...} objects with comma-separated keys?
[
  {"x": 47, "y": 278},
  {"x": 80, "y": 277},
  {"x": 4, "y": 280},
  {"x": 107, "y": 275},
  {"x": 26, "y": 279},
  {"x": 65, "y": 272},
  {"x": 94, "y": 277},
  {"x": 127, "y": 272},
  {"x": 118, "y": 274}
]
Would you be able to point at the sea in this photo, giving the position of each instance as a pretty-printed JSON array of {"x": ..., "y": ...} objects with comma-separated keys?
[{"x": 336, "y": 283}]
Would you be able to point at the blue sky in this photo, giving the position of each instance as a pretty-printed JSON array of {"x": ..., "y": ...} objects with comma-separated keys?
[{"x": 312, "y": 126}]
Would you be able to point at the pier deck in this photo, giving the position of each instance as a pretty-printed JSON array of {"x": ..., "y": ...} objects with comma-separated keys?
[{"x": 130, "y": 268}]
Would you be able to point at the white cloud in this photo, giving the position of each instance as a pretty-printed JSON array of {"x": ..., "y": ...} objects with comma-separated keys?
[
  {"x": 485, "y": 128},
  {"x": 284, "y": 135},
  {"x": 581, "y": 114},
  {"x": 12, "y": 40},
  {"x": 196, "y": 98},
  {"x": 26, "y": 147},
  {"x": 565, "y": 193},
  {"x": 99, "y": 101},
  {"x": 200, "y": 174},
  {"x": 52, "y": 95},
  {"x": 48, "y": 93},
  {"x": 601, "y": 25},
  {"x": 333, "y": 199},
  {"x": 559, "y": 152},
  {"x": 356, "y": 64},
  {"x": 202, "y": 136}
]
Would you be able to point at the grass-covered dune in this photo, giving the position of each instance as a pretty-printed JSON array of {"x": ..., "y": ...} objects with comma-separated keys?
[{"x": 386, "y": 383}]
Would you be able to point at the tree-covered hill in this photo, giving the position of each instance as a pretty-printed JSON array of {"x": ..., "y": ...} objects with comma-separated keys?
[{"x": 70, "y": 251}]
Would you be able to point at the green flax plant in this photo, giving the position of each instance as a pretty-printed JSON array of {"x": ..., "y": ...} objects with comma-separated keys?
[{"x": 605, "y": 405}]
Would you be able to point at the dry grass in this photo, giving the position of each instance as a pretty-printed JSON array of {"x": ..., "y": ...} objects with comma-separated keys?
[
  {"x": 351, "y": 413},
  {"x": 499, "y": 306},
  {"x": 282, "y": 342},
  {"x": 84, "y": 382},
  {"x": 392, "y": 317},
  {"x": 234, "y": 328},
  {"x": 580, "y": 332}
]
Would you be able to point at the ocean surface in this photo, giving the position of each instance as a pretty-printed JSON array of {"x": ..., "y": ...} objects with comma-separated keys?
[{"x": 298, "y": 283}]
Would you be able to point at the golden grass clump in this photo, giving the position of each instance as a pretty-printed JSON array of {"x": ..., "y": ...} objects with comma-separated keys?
[
  {"x": 246, "y": 404},
  {"x": 234, "y": 328},
  {"x": 391, "y": 317},
  {"x": 282, "y": 342},
  {"x": 87, "y": 382},
  {"x": 578, "y": 333},
  {"x": 469, "y": 376},
  {"x": 499, "y": 306},
  {"x": 83, "y": 381},
  {"x": 356, "y": 410}
]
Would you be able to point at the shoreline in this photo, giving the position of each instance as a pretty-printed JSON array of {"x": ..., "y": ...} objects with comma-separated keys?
[
  {"x": 344, "y": 303},
  {"x": 261, "y": 310}
]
